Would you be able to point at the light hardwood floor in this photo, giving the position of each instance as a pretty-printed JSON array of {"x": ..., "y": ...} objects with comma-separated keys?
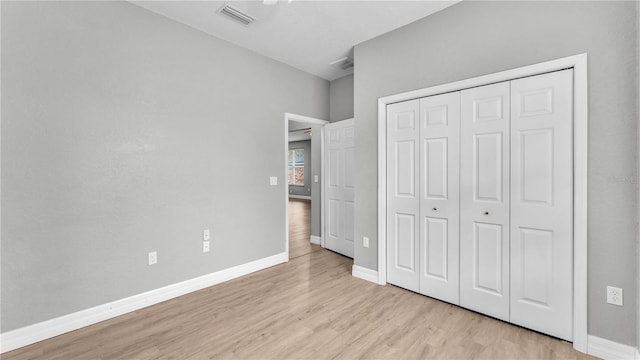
[
  {"x": 300, "y": 228},
  {"x": 308, "y": 308}
]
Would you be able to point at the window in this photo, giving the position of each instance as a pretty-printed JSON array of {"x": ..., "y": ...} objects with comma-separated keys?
[{"x": 295, "y": 175}]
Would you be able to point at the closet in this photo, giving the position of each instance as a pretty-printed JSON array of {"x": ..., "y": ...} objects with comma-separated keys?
[{"x": 480, "y": 199}]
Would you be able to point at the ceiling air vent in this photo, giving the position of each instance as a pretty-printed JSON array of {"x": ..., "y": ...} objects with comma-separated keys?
[
  {"x": 345, "y": 63},
  {"x": 236, "y": 15}
]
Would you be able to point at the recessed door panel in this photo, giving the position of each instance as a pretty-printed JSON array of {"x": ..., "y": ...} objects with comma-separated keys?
[
  {"x": 334, "y": 217},
  {"x": 349, "y": 212},
  {"x": 403, "y": 207},
  {"x": 334, "y": 167},
  {"x": 536, "y": 265},
  {"x": 349, "y": 158},
  {"x": 484, "y": 199},
  {"x": 405, "y": 242},
  {"x": 536, "y": 157},
  {"x": 487, "y": 258},
  {"x": 435, "y": 164},
  {"x": 488, "y": 172},
  {"x": 405, "y": 168},
  {"x": 542, "y": 203},
  {"x": 436, "y": 249}
]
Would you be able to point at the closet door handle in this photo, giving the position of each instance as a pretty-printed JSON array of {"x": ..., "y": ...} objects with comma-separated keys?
[
  {"x": 435, "y": 209},
  {"x": 486, "y": 213}
]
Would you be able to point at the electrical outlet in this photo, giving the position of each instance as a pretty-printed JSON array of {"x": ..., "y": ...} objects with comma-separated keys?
[
  {"x": 206, "y": 234},
  {"x": 206, "y": 246},
  {"x": 365, "y": 241},
  {"x": 273, "y": 180},
  {"x": 614, "y": 295},
  {"x": 153, "y": 258}
]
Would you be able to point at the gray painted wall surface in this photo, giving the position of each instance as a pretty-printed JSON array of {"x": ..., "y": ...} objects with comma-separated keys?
[
  {"x": 306, "y": 189},
  {"x": 341, "y": 98},
  {"x": 476, "y": 38},
  {"x": 119, "y": 137}
]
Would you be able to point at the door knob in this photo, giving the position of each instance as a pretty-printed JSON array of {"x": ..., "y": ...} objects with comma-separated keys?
[
  {"x": 486, "y": 213},
  {"x": 435, "y": 209}
]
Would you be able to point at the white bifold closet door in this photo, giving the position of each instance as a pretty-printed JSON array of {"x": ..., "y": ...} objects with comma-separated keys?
[
  {"x": 542, "y": 203},
  {"x": 339, "y": 183},
  {"x": 439, "y": 196},
  {"x": 422, "y": 196},
  {"x": 484, "y": 200},
  {"x": 480, "y": 199}
]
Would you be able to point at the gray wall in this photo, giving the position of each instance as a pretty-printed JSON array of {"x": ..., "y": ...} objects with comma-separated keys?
[
  {"x": 341, "y": 98},
  {"x": 119, "y": 137},
  {"x": 306, "y": 189},
  {"x": 476, "y": 38}
]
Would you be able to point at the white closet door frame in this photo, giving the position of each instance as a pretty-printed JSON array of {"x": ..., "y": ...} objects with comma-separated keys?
[{"x": 580, "y": 98}]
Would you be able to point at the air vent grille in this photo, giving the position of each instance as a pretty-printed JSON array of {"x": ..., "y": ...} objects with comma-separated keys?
[
  {"x": 236, "y": 15},
  {"x": 345, "y": 63}
]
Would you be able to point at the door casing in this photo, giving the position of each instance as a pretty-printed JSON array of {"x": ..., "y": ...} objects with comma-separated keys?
[
  {"x": 310, "y": 121},
  {"x": 580, "y": 132}
]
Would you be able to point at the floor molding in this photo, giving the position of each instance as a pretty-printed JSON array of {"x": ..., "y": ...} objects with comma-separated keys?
[
  {"x": 610, "y": 350},
  {"x": 301, "y": 197},
  {"x": 28, "y": 335},
  {"x": 638, "y": 354},
  {"x": 314, "y": 239},
  {"x": 364, "y": 273}
]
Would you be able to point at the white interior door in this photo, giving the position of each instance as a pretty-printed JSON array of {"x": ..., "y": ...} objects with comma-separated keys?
[
  {"x": 403, "y": 205},
  {"x": 484, "y": 200},
  {"x": 339, "y": 187},
  {"x": 439, "y": 196},
  {"x": 542, "y": 203}
]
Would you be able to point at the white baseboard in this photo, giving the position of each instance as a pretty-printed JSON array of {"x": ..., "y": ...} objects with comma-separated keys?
[
  {"x": 610, "y": 350},
  {"x": 315, "y": 240},
  {"x": 27, "y": 335},
  {"x": 302, "y": 197},
  {"x": 638, "y": 353},
  {"x": 364, "y": 273}
]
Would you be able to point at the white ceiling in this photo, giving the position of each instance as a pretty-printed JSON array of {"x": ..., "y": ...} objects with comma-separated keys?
[{"x": 305, "y": 34}]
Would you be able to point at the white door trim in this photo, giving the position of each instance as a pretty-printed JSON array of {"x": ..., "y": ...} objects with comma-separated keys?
[
  {"x": 580, "y": 98},
  {"x": 311, "y": 121}
]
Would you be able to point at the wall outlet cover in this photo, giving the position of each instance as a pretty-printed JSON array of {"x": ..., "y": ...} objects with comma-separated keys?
[
  {"x": 206, "y": 246},
  {"x": 615, "y": 295},
  {"x": 153, "y": 258}
]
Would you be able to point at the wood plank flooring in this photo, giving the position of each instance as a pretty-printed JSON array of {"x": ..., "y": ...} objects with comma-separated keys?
[
  {"x": 300, "y": 228},
  {"x": 308, "y": 308}
]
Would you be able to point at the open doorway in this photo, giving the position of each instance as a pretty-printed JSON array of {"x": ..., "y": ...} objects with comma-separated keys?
[{"x": 303, "y": 172}]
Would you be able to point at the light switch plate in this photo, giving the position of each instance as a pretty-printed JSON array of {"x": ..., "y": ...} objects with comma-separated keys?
[
  {"x": 365, "y": 241},
  {"x": 273, "y": 180},
  {"x": 206, "y": 234}
]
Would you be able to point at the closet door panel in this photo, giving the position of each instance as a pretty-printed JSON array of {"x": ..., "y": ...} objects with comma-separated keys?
[
  {"x": 542, "y": 203},
  {"x": 439, "y": 196},
  {"x": 403, "y": 202},
  {"x": 484, "y": 200}
]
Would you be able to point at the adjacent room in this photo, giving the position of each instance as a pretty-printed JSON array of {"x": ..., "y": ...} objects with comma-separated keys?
[{"x": 294, "y": 179}]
